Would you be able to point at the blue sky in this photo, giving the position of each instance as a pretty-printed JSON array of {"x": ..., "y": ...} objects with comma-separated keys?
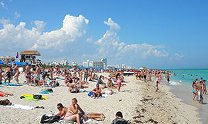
[{"x": 156, "y": 34}]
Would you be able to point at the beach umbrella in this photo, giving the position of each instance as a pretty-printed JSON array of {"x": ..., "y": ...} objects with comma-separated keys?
[{"x": 1, "y": 62}]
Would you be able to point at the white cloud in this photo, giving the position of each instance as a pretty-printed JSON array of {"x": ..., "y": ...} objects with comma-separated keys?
[
  {"x": 18, "y": 37},
  {"x": 178, "y": 56},
  {"x": 72, "y": 29},
  {"x": 16, "y": 15},
  {"x": 110, "y": 45},
  {"x": 71, "y": 41},
  {"x": 39, "y": 25}
]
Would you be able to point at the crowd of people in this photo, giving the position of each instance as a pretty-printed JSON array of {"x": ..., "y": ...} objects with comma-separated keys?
[
  {"x": 199, "y": 89},
  {"x": 75, "y": 79}
]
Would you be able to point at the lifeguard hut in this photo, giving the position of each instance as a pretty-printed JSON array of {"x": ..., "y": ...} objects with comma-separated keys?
[{"x": 29, "y": 56}]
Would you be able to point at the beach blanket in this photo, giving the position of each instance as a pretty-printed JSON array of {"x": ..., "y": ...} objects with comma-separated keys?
[
  {"x": 31, "y": 97},
  {"x": 46, "y": 91},
  {"x": 83, "y": 90},
  {"x": 10, "y": 84},
  {"x": 18, "y": 106}
]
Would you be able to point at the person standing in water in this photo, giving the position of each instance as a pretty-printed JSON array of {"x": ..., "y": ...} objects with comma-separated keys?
[
  {"x": 204, "y": 87},
  {"x": 168, "y": 77},
  {"x": 200, "y": 92}
]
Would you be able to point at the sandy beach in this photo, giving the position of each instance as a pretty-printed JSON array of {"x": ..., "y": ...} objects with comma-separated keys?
[{"x": 137, "y": 100}]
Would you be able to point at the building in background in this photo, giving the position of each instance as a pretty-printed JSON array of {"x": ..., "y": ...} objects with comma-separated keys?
[{"x": 102, "y": 64}]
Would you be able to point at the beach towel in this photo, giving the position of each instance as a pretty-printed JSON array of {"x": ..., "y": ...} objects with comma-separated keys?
[
  {"x": 1, "y": 95},
  {"x": 46, "y": 91},
  {"x": 18, "y": 106},
  {"x": 10, "y": 84},
  {"x": 31, "y": 97},
  {"x": 83, "y": 90},
  {"x": 90, "y": 94}
]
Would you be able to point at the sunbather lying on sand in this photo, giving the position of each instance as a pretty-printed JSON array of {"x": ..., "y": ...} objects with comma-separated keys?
[{"x": 5, "y": 94}]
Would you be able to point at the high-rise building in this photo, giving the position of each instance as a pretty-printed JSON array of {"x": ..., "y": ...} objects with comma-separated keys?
[{"x": 104, "y": 62}]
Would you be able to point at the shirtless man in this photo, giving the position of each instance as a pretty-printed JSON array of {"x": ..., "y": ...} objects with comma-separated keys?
[
  {"x": 97, "y": 91},
  {"x": 73, "y": 112},
  {"x": 62, "y": 110},
  {"x": 200, "y": 91}
]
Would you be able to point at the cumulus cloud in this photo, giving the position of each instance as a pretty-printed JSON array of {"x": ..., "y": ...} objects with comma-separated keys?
[
  {"x": 72, "y": 41},
  {"x": 18, "y": 37},
  {"x": 72, "y": 29},
  {"x": 111, "y": 45}
]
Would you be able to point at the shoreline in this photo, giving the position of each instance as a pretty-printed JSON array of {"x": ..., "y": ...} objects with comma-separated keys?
[
  {"x": 163, "y": 107},
  {"x": 187, "y": 99}
]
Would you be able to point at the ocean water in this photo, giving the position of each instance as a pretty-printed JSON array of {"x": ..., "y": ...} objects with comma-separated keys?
[
  {"x": 181, "y": 85},
  {"x": 187, "y": 76}
]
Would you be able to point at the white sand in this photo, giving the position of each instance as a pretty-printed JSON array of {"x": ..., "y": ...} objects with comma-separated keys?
[{"x": 165, "y": 104}]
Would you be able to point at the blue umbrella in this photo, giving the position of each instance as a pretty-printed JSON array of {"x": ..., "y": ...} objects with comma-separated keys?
[{"x": 1, "y": 62}]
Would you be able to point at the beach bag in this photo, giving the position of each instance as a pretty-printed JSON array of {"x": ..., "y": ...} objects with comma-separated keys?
[
  {"x": 50, "y": 90},
  {"x": 49, "y": 119},
  {"x": 90, "y": 94},
  {"x": 37, "y": 96}
]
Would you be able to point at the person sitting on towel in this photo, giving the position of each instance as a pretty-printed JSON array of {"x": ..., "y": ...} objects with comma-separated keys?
[
  {"x": 74, "y": 112},
  {"x": 97, "y": 92}
]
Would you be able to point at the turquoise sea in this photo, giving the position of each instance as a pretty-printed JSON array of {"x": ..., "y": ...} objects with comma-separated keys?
[
  {"x": 181, "y": 85},
  {"x": 187, "y": 76}
]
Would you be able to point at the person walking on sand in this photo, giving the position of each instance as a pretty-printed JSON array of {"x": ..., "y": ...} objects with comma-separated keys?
[
  {"x": 16, "y": 74},
  {"x": 158, "y": 79}
]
